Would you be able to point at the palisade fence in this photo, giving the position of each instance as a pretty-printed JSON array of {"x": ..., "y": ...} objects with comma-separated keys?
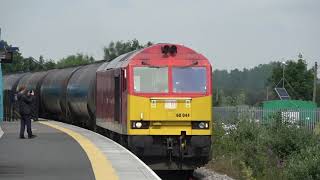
[{"x": 230, "y": 115}]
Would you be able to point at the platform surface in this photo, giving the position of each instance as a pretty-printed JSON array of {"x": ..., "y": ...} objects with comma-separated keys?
[{"x": 62, "y": 151}]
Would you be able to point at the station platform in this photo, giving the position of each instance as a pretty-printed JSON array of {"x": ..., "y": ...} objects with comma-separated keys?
[{"x": 63, "y": 151}]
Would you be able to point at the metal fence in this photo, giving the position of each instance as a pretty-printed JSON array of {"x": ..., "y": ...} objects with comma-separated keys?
[{"x": 300, "y": 117}]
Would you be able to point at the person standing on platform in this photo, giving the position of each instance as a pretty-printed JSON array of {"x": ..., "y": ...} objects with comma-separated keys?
[{"x": 25, "y": 100}]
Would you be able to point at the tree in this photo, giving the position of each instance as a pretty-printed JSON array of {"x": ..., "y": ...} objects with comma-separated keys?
[
  {"x": 22, "y": 64},
  {"x": 115, "y": 49},
  {"x": 250, "y": 84},
  {"x": 236, "y": 100},
  {"x": 298, "y": 78},
  {"x": 49, "y": 64},
  {"x": 46, "y": 64},
  {"x": 75, "y": 60}
]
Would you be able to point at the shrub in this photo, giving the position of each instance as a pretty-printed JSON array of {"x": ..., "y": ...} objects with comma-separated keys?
[
  {"x": 270, "y": 151},
  {"x": 317, "y": 129},
  {"x": 242, "y": 148},
  {"x": 284, "y": 140},
  {"x": 304, "y": 165}
]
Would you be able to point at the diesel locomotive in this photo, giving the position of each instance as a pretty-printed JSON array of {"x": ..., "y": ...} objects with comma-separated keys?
[{"x": 155, "y": 101}]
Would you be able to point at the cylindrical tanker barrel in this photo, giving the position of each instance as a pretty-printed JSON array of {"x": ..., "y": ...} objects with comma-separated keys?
[
  {"x": 33, "y": 82},
  {"x": 81, "y": 93},
  {"x": 53, "y": 92},
  {"x": 10, "y": 83}
]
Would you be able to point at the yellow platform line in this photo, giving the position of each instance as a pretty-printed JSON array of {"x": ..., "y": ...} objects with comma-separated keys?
[{"x": 101, "y": 166}]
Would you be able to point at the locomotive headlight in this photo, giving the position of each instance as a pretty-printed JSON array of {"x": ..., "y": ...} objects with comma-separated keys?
[
  {"x": 206, "y": 125},
  {"x": 200, "y": 125},
  {"x": 138, "y": 124}
]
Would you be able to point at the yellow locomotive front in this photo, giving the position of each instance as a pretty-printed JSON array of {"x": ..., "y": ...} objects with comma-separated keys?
[{"x": 169, "y": 109}]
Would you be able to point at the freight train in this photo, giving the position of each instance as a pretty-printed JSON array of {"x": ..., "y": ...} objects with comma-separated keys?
[{"x": 155, "y": 101}]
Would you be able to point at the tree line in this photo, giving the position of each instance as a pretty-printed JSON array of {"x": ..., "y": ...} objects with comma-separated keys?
[
  {"x": 230, "y": 88},
  {"x": 22, "y": 64},
  {"x": 255, "y": 85}
]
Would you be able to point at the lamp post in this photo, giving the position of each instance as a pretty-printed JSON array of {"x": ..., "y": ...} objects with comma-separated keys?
[
  {"x": 283, "y": 65},
  {"x": 315, "y": 77}
]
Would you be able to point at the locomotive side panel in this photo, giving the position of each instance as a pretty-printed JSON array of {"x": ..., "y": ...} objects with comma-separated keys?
[{"x": 111, "y": 101}]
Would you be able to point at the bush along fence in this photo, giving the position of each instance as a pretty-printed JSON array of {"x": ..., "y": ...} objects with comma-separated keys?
[
  {"x": 256, "y": 143},
  {"x": 307, "y": 118}
]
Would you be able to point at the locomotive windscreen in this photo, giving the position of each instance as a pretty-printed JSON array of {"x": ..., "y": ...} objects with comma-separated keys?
[
  {"x": 189, "y": 79},
  {"x": 151, "y": 79}
]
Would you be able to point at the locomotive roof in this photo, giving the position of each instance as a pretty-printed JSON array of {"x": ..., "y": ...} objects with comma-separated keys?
[
  {"x": 153, "y": 51},
  {"x": 117, "y": 62}
]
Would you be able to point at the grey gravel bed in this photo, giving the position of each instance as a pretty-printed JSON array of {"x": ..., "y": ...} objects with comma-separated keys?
[{"x": 203, "y": 173}]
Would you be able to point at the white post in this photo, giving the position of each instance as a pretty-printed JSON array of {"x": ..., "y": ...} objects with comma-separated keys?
[{"x": 283, "y": 63}]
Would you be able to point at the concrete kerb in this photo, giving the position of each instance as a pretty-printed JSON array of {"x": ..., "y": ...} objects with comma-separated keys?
[
  {"x": 1, "y": 132},
  {"x": 121, "y": 147}
]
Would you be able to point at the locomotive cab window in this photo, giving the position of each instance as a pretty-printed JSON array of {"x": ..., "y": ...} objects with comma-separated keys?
[
  {"x": 189, "y": 79},
  {"x": 150, "y": 79}
]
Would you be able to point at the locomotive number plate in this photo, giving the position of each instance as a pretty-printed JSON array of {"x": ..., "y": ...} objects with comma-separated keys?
[
  {"x": 183, "y": 115},
  {"x": 170, "y": 104}
]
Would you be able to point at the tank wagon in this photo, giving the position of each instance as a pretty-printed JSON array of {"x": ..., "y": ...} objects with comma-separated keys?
[
  {"x": 10, "y": 83},
  {"x": 155, "y": 101}
]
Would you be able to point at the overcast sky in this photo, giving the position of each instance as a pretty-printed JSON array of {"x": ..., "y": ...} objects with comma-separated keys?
[{"x": 231, "y": 33}]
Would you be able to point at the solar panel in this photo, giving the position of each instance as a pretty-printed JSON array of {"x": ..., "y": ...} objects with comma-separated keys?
[
  {"x": 282, "y": 93},
  {"x": 285, "y": 98}
]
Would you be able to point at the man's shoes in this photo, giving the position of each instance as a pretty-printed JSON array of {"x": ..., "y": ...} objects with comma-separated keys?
[
  {"x": 22, "y": 137},
  {"x": 32, "y": 136}
]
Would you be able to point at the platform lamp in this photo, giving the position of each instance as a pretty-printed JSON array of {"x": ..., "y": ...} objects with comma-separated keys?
[
  {"x": 6, "y": 56},
  {"x": 6, "y": 52}
]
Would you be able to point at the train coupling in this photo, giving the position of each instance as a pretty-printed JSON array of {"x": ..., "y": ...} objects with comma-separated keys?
[
  {"x": 169, "y": 143},
  {"x": 169, "y": 148}
]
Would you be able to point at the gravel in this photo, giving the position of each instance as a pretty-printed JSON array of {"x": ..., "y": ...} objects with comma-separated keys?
[{"x": 203, "y": 173}]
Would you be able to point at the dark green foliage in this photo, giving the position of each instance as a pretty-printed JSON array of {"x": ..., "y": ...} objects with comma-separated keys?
[
  {"x": 237, "y": 152},
  {"x": 249, "y": 83},
  {"x": 285, "y": 139},
  {"x": 117, "y": 48},
  {"x": 304, "y": 165},
  {"x": 21, "y": 64},
  {"x": 299, "y": 78},
  {"x": 74, "y": 60},
  {"x": 251, "y": 150},
  {"x": 254, "y": 83}
]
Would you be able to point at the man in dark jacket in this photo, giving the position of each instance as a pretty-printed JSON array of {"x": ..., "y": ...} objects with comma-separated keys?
[{"x": 25, "y": 101}]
